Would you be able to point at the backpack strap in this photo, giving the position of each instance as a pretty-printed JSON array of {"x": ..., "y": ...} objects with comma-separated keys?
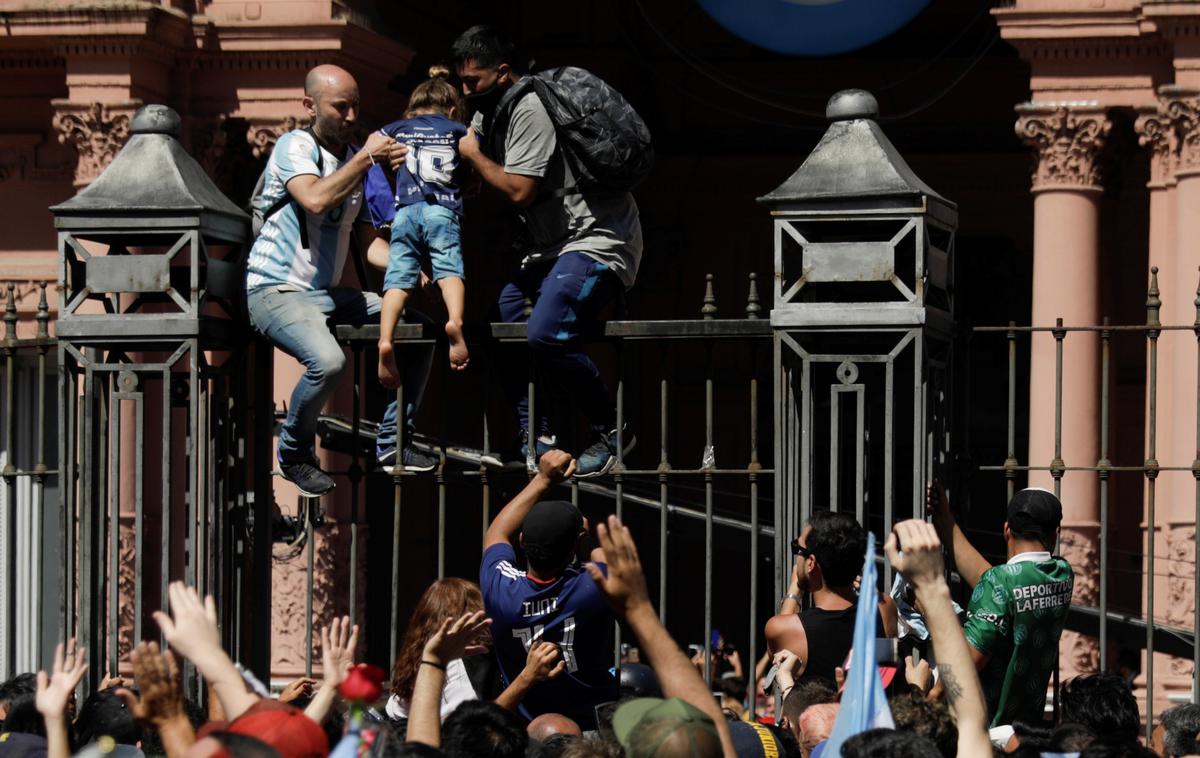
[{"x": 281, "y": 203}]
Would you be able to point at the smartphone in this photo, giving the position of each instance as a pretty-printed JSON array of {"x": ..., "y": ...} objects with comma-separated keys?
[{"x": 768, "y": 679}]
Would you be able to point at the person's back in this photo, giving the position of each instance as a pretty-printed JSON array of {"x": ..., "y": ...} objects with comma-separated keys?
[
  {"x": 429, "y": 174},
  {"x": 568, "y": 611},
  {"x": 829, "y": 635},
  {"x": 1016, "y": 616}
]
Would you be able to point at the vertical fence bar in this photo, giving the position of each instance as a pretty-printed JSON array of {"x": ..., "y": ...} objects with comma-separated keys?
[
  {"x": 356, "y": 474},
  {"x": 311, "y": 542},
  {"x": 664, "y": 468},
  {"x": 1057, "y": 466},
  {"x": 1195, "y": 551},
  {"x": 39, "y": 469},
  {"x": 1153, "y": 303},
  {"x": 394, "y": 629},
  {"x": 67, "y": 392},
  {"x": 1103, "y": 472},
  {"x": 1010, "y": 462},
  {"x": 165, "y": 522},
  {"x": 708, "y": 463},
  {"x": 753, "y": 467},
  {"x": 618, "y": 469},
  {"x": 114, "y": 535},
  {"x": 10, "y": 485}
]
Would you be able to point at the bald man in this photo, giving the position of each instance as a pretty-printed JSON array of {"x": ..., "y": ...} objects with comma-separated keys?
[
  {"x": 548, "y": 725},
  {"x": 311, "y": 201}
]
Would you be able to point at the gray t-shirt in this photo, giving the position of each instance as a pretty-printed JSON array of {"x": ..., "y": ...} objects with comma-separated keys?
[{"x": 602, "y": 225}]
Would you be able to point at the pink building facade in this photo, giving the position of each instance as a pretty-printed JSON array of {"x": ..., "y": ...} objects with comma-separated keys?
[{"x": 72, "y": 74}]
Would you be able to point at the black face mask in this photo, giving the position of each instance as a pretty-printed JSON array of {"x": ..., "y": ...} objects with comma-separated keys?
[{"x": 485, "y": 102}]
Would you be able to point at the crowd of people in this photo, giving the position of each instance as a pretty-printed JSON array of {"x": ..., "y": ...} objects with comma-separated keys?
[{"x": 522, "y": 662}]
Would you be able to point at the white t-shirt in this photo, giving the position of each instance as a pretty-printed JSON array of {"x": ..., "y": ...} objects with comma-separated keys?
[{"x": 455, "y": 691}]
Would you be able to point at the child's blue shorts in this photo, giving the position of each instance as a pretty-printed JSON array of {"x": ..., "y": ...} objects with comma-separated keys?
[{"x": 423, "y": 233}]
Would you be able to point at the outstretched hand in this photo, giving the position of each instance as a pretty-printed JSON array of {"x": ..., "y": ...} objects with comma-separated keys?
[
  {"x": 913, "y": 549},
  {"x": 556, "y": 466},
  {"x": 338, "y": 641},
  {"x": 455, "y": 638},
  {"x": 54, "y": 690},
  {"x": 157, "y": 677},
  {"x": 191, "y": 629},
  {"x": 625, "y": 585}
]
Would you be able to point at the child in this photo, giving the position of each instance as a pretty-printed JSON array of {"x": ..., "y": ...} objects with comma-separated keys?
[{"x": 425, "y": 229}]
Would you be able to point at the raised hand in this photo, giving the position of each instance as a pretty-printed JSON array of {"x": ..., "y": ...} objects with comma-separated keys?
[
  {"x": 157, "y": 677},
  {"x": 625, "y": 585},
  {"x": 556, "y": 466},
  {"x": 913, "y": 549},
  {"x": 296, "y": 689},
  {"x": 456, "y": 638},
  {"x": 918, "y": 675},
  {"x": 539, "y": 664},
  {"x": 338, "y": 643},
  {"x": 191, "y": 628},
  {"x": 54, "y": 690},
  {"x": 790, "y": 667}
]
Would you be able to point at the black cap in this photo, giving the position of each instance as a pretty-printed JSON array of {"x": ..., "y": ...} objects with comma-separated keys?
[
  {"x": 550, "y": 530},
  {"x": 1034, "y": 513}
]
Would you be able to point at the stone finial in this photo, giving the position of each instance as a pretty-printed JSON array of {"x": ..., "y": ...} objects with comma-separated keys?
[
  {"x": 850, "y": 104},
  {"x": 709, "y": 310},
  {"x": 43, "y": 312},
  {"x": 10, "y": 312},
  {"x": 1068, "y": 139},
  {"x": 752, "y": 305}
]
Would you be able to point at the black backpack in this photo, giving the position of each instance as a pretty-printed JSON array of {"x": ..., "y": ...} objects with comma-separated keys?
[{"x": 603, "y": 139}]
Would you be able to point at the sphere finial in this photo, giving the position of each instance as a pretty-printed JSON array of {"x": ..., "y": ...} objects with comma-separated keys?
[{"x": 851, "y": 104}]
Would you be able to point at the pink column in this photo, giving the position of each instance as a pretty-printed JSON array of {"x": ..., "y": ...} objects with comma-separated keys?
[{"x": 1066, "y": 252}]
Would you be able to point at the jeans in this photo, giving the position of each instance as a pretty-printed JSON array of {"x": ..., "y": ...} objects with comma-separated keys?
[
  {"x": 568, "y": 294},
  {"x": 423, "y": 233},
  {"x": 298, "y": 323}
]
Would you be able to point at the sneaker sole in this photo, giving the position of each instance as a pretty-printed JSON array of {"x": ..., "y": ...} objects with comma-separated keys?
[
  {"x": 493, "y": 462},
  {"x": 414, "y": 469},
  {"x": 612, "y": 460},
  {"x": 301, "y": 490}
]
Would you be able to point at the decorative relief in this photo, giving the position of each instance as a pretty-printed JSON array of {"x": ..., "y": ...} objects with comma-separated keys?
[
  {"x": 262, "y": 137},
  {"x": 1078, "y": 546},
  {"x": 1156, "y": 132},
  {"x": 1068, "y": 141},
  {"x": 1182, "y": 108},
  {"x": 96, "y": 131},
  {"x": 1181, "y": 588},
  {"x": 1078, "y": 654}
]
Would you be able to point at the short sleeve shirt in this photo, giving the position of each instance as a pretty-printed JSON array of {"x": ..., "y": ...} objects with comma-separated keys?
[
  {"x": 278, "y": 258},
  {"x": 605, "y": 226},
  {"x": 429, "y": 171},
  {"x": 1016, "y": 617},
  {"x": 568, "y": 611}
]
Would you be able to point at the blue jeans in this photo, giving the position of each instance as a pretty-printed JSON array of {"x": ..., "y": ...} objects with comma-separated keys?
[
  {"x": 423, "y": 233},
  {"x": 298, "y": 323},
  {"x": 568, "y": 294}
]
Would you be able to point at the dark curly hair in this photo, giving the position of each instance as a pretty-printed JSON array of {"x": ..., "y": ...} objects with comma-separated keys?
[
  {"x": 1103, "y": 703},
  {"x": 933, "y": 720},
  {"x": 838, "y": 543}
]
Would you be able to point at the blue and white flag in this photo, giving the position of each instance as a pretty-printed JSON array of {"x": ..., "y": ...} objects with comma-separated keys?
[{"x": 864, "y": 705}]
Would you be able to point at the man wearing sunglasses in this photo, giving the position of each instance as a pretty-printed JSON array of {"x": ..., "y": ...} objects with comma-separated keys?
[{"x": 828, "y": 558}]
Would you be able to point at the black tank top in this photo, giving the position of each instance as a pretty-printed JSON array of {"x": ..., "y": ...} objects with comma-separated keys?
[{"x": 830, "y": 635}]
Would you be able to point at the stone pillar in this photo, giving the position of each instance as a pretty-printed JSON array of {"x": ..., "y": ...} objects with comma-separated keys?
[{"x": 1066, "y": 257}]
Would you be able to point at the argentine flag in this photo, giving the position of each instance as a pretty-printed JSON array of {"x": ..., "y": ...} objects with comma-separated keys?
[{"x": 864, "y": 705}]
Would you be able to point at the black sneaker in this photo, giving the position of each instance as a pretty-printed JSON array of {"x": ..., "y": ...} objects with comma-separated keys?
[
  {"x": 600, "y": 456},
  {"x": 307, "y": 476},
  {"x": 516, "y": 455},
  {"x": 414, "y": 459}
]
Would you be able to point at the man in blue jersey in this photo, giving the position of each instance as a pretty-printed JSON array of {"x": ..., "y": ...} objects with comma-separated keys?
[
  {"x": 296, "y": 263},
  {"x": 553, "y": 600}
]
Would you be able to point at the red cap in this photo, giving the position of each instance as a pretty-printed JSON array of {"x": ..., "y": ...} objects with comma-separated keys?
[{"x": 283, "y": 727}]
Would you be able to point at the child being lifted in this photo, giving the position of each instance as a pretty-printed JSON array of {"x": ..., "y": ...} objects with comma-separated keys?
[{"x": 426, "y": 225}]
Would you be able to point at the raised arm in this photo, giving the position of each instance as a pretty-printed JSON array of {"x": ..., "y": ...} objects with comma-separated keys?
[
  {"x": 191, "y": 630},
  {"x": 54, "y": 691},
  {"x": 967, "y": 560},
  {"x": 625, "y": 589},
  {"x": 318, "y": 194},
  {"x": 338, "y": 642},
  {"x": 454, "y": 639},
  {"x": 518, "y": 189},
  {"x": 160, "y": 700},
  {"x": 556, "y": 466},
  {"x": 539, "y": 666},
  {"x": 921, "y": 564}
]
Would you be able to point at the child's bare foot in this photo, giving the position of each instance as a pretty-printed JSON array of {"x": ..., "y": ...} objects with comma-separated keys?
[
  {"x": 389, "y": 375},
  {"x": 459, "y": 357}
]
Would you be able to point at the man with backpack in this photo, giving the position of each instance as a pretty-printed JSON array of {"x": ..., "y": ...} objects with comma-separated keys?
[
  {"x": 584, "y": 236},
  {"x": 310, "y": 204}
]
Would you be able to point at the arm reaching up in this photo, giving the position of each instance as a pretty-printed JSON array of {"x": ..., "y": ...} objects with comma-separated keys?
[
  {"x": 191, "y": 630},
  {"x": 454, "y": 639},
  {"x": 54, "y": 692},
  {"x": 539, "y": 666},
  {"x": 921, "y": 564},
  {"x": 625, "y": 590},
  {"x": 969, "y": 562},
  {"x": 161, "y": 702},
  {"x": 338, "y": 642},
  {"x": 555, "y": 467}
]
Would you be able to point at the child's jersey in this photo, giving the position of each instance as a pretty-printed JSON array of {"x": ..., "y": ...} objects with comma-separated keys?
[{"x": 428, "y": 174}]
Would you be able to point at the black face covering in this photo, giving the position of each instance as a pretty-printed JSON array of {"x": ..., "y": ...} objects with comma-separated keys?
[{"x": 485, "y": 102}]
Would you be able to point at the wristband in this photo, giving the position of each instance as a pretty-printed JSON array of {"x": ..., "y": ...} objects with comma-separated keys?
[
  {"x": 790, "y": 596},
  {"x": 431, "y": 663}
]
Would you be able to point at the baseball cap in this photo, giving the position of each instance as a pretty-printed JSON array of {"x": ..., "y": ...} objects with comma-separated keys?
[
  {"x": 283, "y": 727},
  {"x": 21, "y": 744},
  {"x": 1034, "y": 513},
  {"x": 643, "y": 725},
  {"x": 550, "y": 529},
  {"x": 755, "y": 740}
]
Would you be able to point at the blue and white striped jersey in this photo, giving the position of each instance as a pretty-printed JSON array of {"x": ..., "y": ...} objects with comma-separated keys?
[{"x": 278, "y": 259}]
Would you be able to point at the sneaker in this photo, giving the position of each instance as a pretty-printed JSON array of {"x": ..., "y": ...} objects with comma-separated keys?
[
  {"x": 600, "y": 456},
  {"x": 516, "y": 455},
  {"x": 413, "y": 459},
  {"x": 307, "y": 476}
]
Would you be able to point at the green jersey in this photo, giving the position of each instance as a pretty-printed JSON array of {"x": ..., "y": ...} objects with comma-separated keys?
[{"x": 1015, "y": 618}]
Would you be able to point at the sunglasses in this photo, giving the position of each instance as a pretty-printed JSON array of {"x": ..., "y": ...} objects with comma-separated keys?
[{"x": 798, "y": 549}]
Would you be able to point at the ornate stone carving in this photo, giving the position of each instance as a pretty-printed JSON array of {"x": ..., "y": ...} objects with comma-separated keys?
[
  {"x": 1182, "y": 108},
  {"x": 1078, "y": 545},
  {"x": 1156, "y": 132},
  {"x": 262, "y": 137},
  {"x": 1181, "y": 555},
  {"x": 219, "y": 145},
  {"x": 96, "y": 131},
  {"x": 1068, "y": 141}
]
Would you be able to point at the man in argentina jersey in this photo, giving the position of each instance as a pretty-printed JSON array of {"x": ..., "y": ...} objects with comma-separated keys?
[
  {"x": 1017, "y": 609},
  {"x": 296, "y": 262},
  {"x": 428, "y": 174},
  {"x": 554, "y": 600}
]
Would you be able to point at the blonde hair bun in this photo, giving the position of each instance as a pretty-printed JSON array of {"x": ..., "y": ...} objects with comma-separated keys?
[{"x": 439, "y": 71}]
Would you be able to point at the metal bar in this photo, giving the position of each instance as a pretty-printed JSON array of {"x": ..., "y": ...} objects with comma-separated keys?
[
  {"x": 356, "y": 355},
  {"x": 11, "y": 610},
  {"x": 138, "y": 513},
  {"x": 664, "y": 466},
  {"x": 311, "y": 543},
  {"x": 67, "y": 393},
  {"x": 165, "y": 522},
  {"x": 708, "y": 515},
  {"x": 1010, "y": 475},
  {"x": 1102, "y": 464},
  {"x": 1056, "y": 467},
  {"x": 618, "y": 472},
  {"x": 394, "y": 629},
  {"x": 752, "y": 674},
  {"x": 1195, "y": 551},
  {"x": 1151, "y": 475}
]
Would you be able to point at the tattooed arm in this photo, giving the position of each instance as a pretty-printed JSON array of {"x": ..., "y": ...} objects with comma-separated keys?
[{"x": 921, "y": 564}]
